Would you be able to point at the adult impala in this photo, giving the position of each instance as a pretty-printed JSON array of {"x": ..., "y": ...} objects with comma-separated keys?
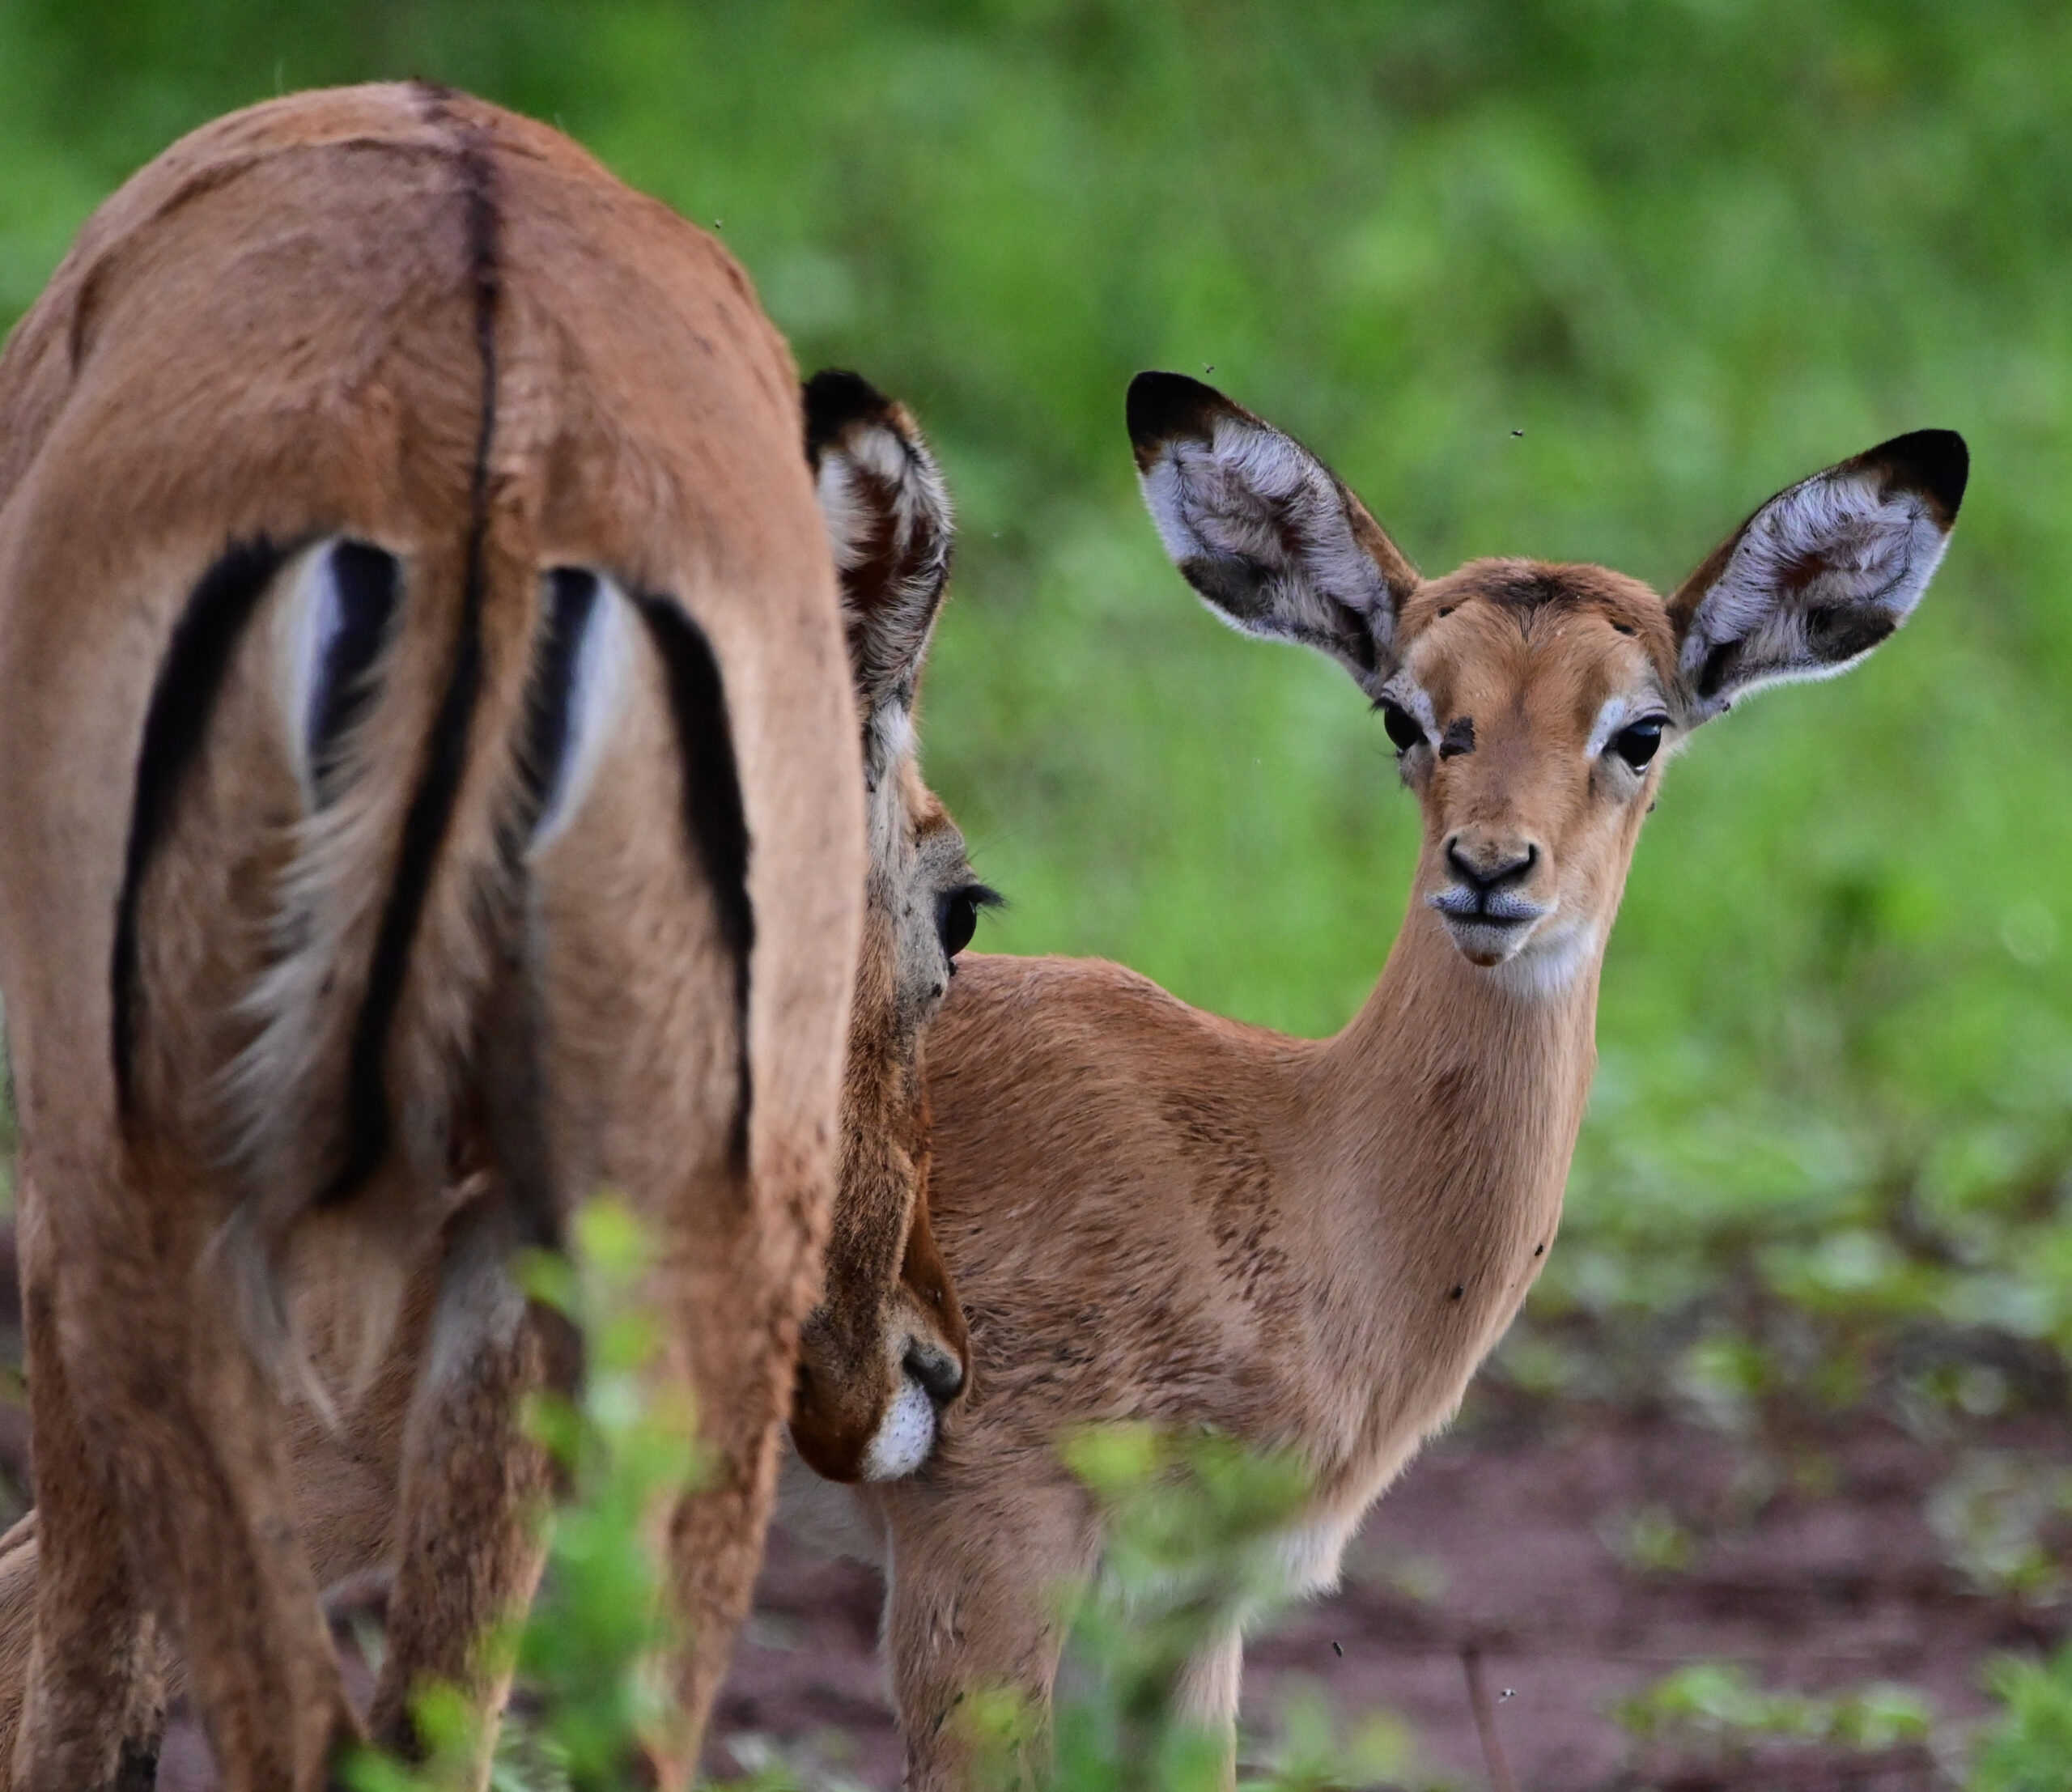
[
  {"x": 1153, "y": 1213},
  {"x": 433, "y": 789},
  {"x": 886, "y": 1346}
]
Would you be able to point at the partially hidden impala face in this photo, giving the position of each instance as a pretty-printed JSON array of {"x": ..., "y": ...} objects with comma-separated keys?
[
  {"x": 1531, "y": 702},
  {"x": 886, "y": 1349}
]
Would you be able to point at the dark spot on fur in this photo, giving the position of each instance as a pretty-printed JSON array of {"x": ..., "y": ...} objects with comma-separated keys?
[
  {"x": 1933, "y": 462},
  {"x": 1161, "y": 406},
  {"x": 1528, "y": 587},
  {"x": 1458, "y": 739},
  {"x": 1719, "y": 664},
  {"x": 1232, "y": 585},
  {"x": 1355, "y": 639},
  {"x": 834, "y": 398},
  {"x": 1800, "y": 570},
  {"x": 1446, "y": 1091},
  {"x": 1459, "y": 1289},
  {"x": 1843, "y": 631}
]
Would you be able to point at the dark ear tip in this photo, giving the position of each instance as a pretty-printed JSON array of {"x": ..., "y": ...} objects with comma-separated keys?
[
  {"x": 834, "y": 399},
  {"x": 1932, "y": 460},
  {"x": 1163, "y": 406}
]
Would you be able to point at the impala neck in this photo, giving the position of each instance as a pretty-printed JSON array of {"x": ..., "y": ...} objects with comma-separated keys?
[
  {"x": 1434, "y": 1015},
  {"x": 1439, "y": 1135}
]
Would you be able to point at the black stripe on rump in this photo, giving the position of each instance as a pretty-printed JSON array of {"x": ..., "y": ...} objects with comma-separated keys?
[
  {"x": 571, "y": 599},
  {"x": 366, "y": 580},
  {"x": 424, "y": 831},
  {"x": 512, "y": 1084},
  {"x": 430, "y": 812},
  {"x": 715, "y": 823},
  {"x": 190, "y": 677}
]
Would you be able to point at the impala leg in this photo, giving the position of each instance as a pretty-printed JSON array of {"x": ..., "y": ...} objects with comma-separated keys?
[
  {"x": 147, "y": 1675},
  {"x": 473, "y": 1482},
  {"x": 184, "y": 1426},
  {"x": 18, "y": 1585},
  {"x": 213, "y": 1508},
  {"x": 82, "y": 1657},
  {"x": 143, "y": 1721},
  {"x": 746, "y": 1357},
  {"x": 1207, "y": 1694},
  {"x": 976, "y": 1575}
]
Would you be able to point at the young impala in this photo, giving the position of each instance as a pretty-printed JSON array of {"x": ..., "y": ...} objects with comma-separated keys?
[
  {"x": 888, "y": 1318},
  {"x": 1155, "y": 1214},
  {"x": 433, "y": 789}
]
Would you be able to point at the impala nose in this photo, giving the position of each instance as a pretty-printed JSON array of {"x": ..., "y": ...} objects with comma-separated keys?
[
  {"x": 1486, "y": 863},
  {"x": 940, "y": 1374}
]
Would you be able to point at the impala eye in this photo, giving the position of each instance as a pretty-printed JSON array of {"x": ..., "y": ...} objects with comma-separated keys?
[
  {"x": 957, "y": 917},
  {"x": 1638, "y": 742},
  {"x": 1401, "y": 726}
]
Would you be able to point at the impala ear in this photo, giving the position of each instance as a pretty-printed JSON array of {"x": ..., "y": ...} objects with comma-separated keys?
[
  {"x": 1821, "y": 574},
  {"x": 1263, "y": 529},
  {"x": 888, "y": 521}
]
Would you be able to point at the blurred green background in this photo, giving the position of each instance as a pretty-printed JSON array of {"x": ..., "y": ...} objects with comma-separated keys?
[{"x": 1690, "y": 250}]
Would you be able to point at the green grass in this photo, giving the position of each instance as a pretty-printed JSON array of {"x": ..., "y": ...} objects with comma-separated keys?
[
  {"x": 2028, "y": 1746},
  {"x": 1692, "y": 250}
]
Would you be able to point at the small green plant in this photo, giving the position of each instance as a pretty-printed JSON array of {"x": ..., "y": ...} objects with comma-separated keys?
[
  {"x": 592, "y": 1654},
  {"x": 1312, "y": 1753},
  {"x": 2028, "y": 1747},
  {"x": 1653, "y": 1541},
  {"x": 598, "y": 1639},
  {"x": 1717, "y": 1708},
  {"x": 2004, "y": 1521}
]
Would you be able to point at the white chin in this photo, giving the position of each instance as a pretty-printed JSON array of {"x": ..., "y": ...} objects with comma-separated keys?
[
  {"x": 1481, "y": 944},
  {"x": 905, "y": 1435}
]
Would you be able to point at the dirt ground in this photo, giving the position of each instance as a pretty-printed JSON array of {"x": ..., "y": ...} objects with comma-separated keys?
[
  {"x": 1585, "y": 1554},
  {"x": 1511, "y": 1536}
]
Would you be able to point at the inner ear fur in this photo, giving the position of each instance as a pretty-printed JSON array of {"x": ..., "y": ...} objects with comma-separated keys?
[
  {"x": 1821, "y": 574},
  {"x": 1263, "y": 529},
  {"x": 888, "y": 526}
]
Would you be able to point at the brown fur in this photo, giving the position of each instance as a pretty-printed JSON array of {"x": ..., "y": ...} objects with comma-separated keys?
[{"x": 288, "y": 326}]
